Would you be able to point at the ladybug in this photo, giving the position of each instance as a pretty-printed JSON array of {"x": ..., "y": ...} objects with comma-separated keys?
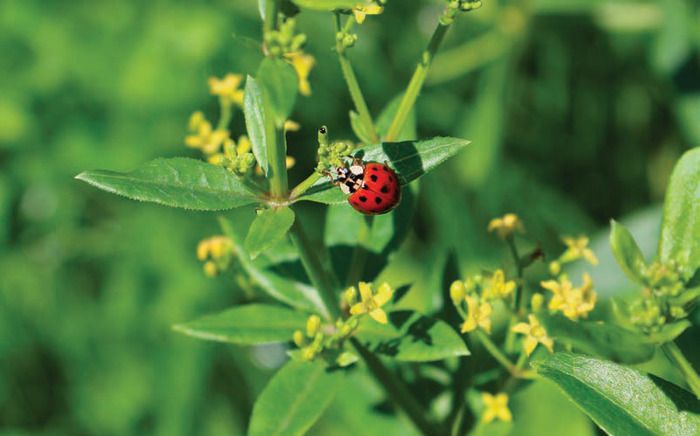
[{"x": 373, "y": 188}]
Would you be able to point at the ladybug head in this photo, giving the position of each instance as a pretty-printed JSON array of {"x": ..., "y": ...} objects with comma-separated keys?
[{"x": 350, "y": 178}]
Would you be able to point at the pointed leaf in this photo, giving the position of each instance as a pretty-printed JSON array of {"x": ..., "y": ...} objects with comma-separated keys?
[
  {"x": 268, "y": 228},
  {"x": 257, "y": 121},
  {"x": 412, "y": 337},
  {"x": 627, "y": 252},
  {"x": 279, "y": 82},
  {"x": 288, "y": 291},
  {"x": 601, "y": 339},
  {"x": 294, "y": 399},
  {"x": 680, "y": 230},
  {"x": 621, "y": 400},
  {"x": 176, "y": 182},
  {"x": 247, "y": 325},
  {"x": 410, "y": 160}
]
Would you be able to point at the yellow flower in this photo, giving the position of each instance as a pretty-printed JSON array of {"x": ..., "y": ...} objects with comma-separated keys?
[
  {"x": 572, "y": 302},
  {"x": 291, "y": 126},
  {"x": 214, "y": 247},
  {"x": 495, "y": 406},
  {"x": 506, "y": 225},
  {"x": 535, "y": 334},
  {"x": 196, "y": 119},
  {"x": 498, "y": 287},
  {"x": 362, "y": 10},
  {"x": 313, "y": 324},
  {"x": 243, "y": 146},
  {"x": 303, "y": 63},
  {"x": 289, "y": 161},
  {"x": 577, "y": 248},
  {"x": 372, "y": 303},
  {"x": 227, "y": 87},
  {"x": 478, "y": 315},
  {"x": 205, "y": 138}
]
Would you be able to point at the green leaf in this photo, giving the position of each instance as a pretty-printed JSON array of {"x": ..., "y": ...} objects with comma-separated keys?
[
  {"x": 176, "y": 182},
  {"x": 621, "y": 400},
  {"x": 257, "y": 121},
  {"x": 627, "y": 252},
  {"x": 602, "y": 339},
  {"x": 326, "y": 5},
  {"x": 680, "y": 229},
  {"x": 411, "y": 337},
  {"x": 294, "y": 399},
  {"x": 359, "y": 129},
  {"x": 387, "y": 116},
  {"x": 268, "y": 228},
  {"x": 410, "y": 160},
  {"x": 247, "y": 325},
  {"x": 288, "y": 291},
  {"x": 279, "y": 83}
]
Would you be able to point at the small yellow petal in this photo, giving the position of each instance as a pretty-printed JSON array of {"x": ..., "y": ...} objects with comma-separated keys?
[
  {"x": 522, "y": 328},
  {"x": 379, "y": 315},
  {"x": 384, "y": 294},
  {"x": 357, "y": 309},
  {"x": 359, "y": 15},
  {"x": 365, "y": 291},
  {"x": 469, "y": 325},
  {"x": 529, "y": 345}
]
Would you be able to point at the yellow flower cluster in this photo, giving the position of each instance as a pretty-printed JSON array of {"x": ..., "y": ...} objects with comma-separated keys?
[
  {"x": 325, "y": 341},
  {"x": 218, "y": 147},
  {"x": 573, "y": 302},
  {"x": 495, "y": 407},
  {"x": 361, "y": 10},
  {"x": 227, "y": 88},
  {"x": 478, "y": 292},
  {"x": 311, "y": 343},
  {"x": 576, "y": 249},
  {"x": 203, "y": 136},
  {"x": 506, "y": 225},
  {"x": 216, "y": 254},
  {"x": 534, "y": 334},
  {"x": 370, "y": 302},
  {"x": 302, "y": 63}
]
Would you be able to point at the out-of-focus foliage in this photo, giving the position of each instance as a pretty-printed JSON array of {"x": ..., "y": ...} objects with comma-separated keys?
[{"x": 576, "y": 110}]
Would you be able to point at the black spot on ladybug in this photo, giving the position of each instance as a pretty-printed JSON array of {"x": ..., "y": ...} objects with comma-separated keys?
[
  {"x": 373, "y": 177},
  {"x": 385, "y": 189},
  {"x": 377, "y": 200},
  {"x": 363, "y": 199},
  {"x": 391, "y": 178}
]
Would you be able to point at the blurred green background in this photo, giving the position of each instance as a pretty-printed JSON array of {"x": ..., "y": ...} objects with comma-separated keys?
[{"x": 577, "y": 111}]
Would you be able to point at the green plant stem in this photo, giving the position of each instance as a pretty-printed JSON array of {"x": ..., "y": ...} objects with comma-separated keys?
[
  {"x": 416, "y": 83},
  {"x": 225, "y": 115},
  {"x": 319, "y": 272},
  {"x": 351, "y": 81},
  {"x": 277, "y": 158},
  {"x": 495, "y": 351},
  {"x": 304, "y": 185},
  {"x": 271, "y": 12},
  {"x": 676, "y": 356},
  {"x": 396, "y": 390},
  {"x": 359, "y": 254},
  {"x": 517, "y": 297}
]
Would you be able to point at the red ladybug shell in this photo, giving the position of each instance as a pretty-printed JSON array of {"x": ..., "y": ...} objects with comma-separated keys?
[{"x": 380, "y": 192}]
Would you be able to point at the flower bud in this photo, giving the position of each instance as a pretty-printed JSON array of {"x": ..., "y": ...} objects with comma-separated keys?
[
  {"x": 298, "y": 338},
  {"x": 210, "y": 269},
  {"x": 312, "y": 325},
  {"x": 536, "y": 302},
  {"x": 457, "y": 292},
  {"x": 554, "y": 268},
  {"x": 350, "y": 295}
]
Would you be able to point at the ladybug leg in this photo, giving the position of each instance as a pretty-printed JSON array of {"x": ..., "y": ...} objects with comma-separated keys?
[
  {"x": 330, "y": 177},
  {"x": 386, "y": 164}
]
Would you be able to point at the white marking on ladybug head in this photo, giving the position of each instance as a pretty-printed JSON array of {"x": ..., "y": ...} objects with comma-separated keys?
[
  {"x": 357, "y": 169},
  {"x": 345, "y": 188}
]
